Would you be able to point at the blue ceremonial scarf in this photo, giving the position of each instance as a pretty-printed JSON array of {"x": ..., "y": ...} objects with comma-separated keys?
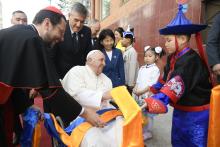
[
  {"x": 80, "y": 120},
  {"x": 51, "y": 130},
  {"x": 31, "y": 118}
]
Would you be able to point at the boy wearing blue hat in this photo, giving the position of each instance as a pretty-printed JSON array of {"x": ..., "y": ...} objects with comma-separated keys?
[
  {"x": 130, "y": 57},
  {"x": 185, "y": 84}
]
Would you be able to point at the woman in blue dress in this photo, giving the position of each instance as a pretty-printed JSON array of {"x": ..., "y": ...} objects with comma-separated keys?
[{"x": 114, "y": 67}]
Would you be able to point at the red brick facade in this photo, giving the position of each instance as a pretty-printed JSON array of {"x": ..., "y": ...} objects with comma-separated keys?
[{"x": 146, "y": 16}]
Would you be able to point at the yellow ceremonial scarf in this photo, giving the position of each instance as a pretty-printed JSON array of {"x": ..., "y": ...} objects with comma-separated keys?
[
  {"x": 37, "y": 135},
  {"x": 132, "y": 127}
]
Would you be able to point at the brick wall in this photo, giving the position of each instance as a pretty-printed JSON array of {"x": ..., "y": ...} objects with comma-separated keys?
[{"x": 147, "y": 16}]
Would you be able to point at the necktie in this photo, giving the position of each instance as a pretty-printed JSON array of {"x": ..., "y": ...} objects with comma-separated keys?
[
  {"x": 92, "y": 41},
  {"x": 75, "y": 38}
]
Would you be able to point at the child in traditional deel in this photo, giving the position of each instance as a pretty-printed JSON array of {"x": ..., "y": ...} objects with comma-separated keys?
[{"x": 185, "y": 84}]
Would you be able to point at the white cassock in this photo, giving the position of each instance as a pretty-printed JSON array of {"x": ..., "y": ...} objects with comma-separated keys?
[{"x": 87, "y": 88}]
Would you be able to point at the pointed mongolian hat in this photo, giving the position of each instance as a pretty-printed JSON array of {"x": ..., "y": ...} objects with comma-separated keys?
[{"x": 181, "y": 25}]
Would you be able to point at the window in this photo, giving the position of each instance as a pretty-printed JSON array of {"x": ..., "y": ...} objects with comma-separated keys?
[
  {"x": 124, "y": 1},
  {"x": 105, "y": 8}
]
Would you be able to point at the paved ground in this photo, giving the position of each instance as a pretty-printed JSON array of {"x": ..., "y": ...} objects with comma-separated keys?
[{"x": 161, "y": 130}]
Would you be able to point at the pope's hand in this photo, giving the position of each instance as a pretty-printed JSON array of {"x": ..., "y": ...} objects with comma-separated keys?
[
  {"x": 93, "y": 118},
  {"x": 107, "y": 95}
]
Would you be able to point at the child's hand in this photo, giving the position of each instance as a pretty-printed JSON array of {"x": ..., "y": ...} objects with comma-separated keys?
[
  {"x": 144, "y": 106},
  {"x": 146, "y": 89},
  {"x": 140, "y": 91},
  {"x": 135, "y": 91},
  {"x": 150, "y": 94}
]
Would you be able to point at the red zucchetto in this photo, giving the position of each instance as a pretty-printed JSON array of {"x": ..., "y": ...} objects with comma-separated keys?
[{"x": 53, "y": 9}]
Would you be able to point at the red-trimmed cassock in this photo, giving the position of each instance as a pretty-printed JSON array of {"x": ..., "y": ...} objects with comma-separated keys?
[{"x": 25, "y": 64}]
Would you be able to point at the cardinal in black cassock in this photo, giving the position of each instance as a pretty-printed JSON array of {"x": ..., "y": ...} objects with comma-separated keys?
[{"x": 25, "y": 65}]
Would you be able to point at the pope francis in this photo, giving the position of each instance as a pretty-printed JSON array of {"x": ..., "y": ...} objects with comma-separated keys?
[{"x": 91, "y": 88}]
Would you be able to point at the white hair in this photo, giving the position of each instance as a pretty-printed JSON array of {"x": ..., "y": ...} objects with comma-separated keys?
[{"x": 91, "y": 53}]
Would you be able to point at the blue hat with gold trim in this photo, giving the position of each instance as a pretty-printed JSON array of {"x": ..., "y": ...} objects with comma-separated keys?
[{"x": 181, "y": 25}]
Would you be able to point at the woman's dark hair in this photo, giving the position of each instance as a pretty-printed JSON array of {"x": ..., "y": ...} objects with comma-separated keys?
[
  {"x": 120, "y": 30},
  {"x": 55, "y": 18},
  {"x": 103, "y": 34},
  {"x": 153, "y": 49}
]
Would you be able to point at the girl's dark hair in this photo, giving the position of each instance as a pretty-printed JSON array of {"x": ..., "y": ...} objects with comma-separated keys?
[
  {"x": 120, "y": 30},
  {"x": 55, "y": 18},
  {"x": 103, "y": 34},
  {"x": 162, "y": 53}
]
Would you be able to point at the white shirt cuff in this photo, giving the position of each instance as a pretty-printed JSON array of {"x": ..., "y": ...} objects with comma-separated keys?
[{"x": 81, "y": 111}]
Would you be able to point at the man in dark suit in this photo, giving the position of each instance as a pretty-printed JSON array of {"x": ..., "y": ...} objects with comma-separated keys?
[
  {"x": 94, "y": 25},
  {"x": 213, "y": 46},
  {"x": 77, "y": 41}
]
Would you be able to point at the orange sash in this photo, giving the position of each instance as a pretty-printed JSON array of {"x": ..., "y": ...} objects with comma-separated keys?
[
  {"x": 214, "y": 118},
  {"x": 78, "y": 133},
  {"x": 132, "y": 126}
]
